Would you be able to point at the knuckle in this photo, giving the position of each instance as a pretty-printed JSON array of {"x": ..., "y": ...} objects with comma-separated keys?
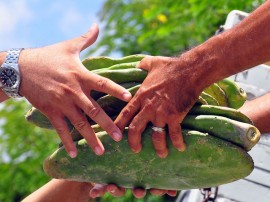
[
  {"x": 126, "y": 113},
  {"x": 80, "y": 125},
  {"x": 61, "y": 131},
  {"x": 102, "y": 83},
  {"x": 93, "y": 111},
  {"x": 148, "y": 106},
  {"x": 175, "y": 119},
  {"x": 57, "y": 96},
  {"x": 132, "y": 129},
  {"x": 143, "y": 91},
  {"x": 69, "y": 91},
  {"x": 161, "y": 112},
  {"x": 169, "y": 111}
]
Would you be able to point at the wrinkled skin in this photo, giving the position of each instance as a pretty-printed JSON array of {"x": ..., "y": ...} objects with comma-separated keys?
[
  {"x": 163, "y": 99},
  {"x": 55, "y": 81}
]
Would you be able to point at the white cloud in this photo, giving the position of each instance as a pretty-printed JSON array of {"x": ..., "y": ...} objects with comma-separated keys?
[{"x": 12, "y": 14}]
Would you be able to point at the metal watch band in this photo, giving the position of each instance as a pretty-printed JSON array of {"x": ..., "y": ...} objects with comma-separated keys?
[
  {"x": 12, "y": 59},
  {"x": 13, "y": 56}
]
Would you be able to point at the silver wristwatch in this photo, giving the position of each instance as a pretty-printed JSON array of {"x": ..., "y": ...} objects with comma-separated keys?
[{"x": 10, "y": 77}]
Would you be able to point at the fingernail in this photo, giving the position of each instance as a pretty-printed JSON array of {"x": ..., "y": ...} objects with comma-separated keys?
[
  {"x": 92, "y": 27},
  {"x": 93, "y": 194},
  {"x": 117, "y": 136},
  {"x": 72, "y": 154},
  {"x": 111, "y": 190},
  {"x": 181, "y": 148},
  {"x": 162, "y": 154},
  {"x": 98, "y": 150},
  {"x": 127, "y": 96},
  {"x": 136, "y": 149}
]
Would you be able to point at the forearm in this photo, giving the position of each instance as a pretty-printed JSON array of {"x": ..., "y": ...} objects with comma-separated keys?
[
  {"x": 61, "y": 190},
  {"x": 242, "y": 47},
  {"x": 3, "y": 96},
  {"x": 258, "y": 110},
  {"x": 247, "y": 45}
]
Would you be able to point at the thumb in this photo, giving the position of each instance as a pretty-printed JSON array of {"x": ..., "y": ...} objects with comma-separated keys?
[
  {"x": 145, "y": 63},
  {"x": 150, "y": 62},
  {"x": 85, "y": 40}
]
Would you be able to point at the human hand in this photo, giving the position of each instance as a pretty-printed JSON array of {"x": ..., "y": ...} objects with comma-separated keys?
[
  {"x": 99, "y": 190},
  {"x": 55, "y": 81},
  {"x": 164, "y": 98}
]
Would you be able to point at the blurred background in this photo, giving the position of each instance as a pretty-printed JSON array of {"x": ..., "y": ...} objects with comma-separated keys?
[{"x": 126, "y": 27}]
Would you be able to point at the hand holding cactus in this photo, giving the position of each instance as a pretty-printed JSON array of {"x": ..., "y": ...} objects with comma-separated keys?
[{"x": 59, "y": 87}]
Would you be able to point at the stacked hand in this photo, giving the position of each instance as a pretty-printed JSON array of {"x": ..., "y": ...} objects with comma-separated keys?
[
  {"x": 156, "y": 102},
  {"x": 55, "y": 82},
  {"x": 60, "y": 88}
]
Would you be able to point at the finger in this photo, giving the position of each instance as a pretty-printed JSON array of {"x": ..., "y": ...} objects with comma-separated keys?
[
  {"x": 159, "y": 138},
  {"x": 146, "y": 63},
  {"x": 150, "y": 62},
  {"x": 127, "y": 113},
  {"x": 81, "y": 124},
  {"x": 158, "y": 192},
  {"x": 176, "y": 135},
  {"x": 139, "y": 192},
  {"x": 115, "y": 190},
  {"x": 62, "y": 129},
  {"x": 85, "y": 40},
  {"x": 105, "y": 85},
  {"x": 159, "y": 142},
  {"x": 97, "y": 114},
  {"x": 135, "y": 129},
  {"x": 97, "y": 191},
  {"x": 172, "y": 193}
]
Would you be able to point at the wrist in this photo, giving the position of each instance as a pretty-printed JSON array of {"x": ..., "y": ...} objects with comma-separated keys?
[
  {"x": 27, "y": 62},
  {"x": 203, "y": 67},
  {"x": 10, "y": 77},
  {"x": 2, "y": 57}
]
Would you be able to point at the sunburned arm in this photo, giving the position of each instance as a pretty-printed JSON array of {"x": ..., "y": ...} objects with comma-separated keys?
[
  {"x": 172, "y": 85},
  {"x": 3, "y": 96},
  {"x": 258, "y": 110},
  {"x": 244, "y": 46}
]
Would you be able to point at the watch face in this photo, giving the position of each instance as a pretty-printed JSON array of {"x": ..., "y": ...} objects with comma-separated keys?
[{"x": 8, "y": 77}]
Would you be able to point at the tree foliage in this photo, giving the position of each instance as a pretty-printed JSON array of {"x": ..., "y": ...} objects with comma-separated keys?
[
  {"x": 129, "y": 26},
  {"x": 23, "y": 148},
  {"x": 162, "y": 27}
]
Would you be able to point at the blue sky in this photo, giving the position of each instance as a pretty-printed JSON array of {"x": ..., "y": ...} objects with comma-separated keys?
[{"x": 35, "y": 23}]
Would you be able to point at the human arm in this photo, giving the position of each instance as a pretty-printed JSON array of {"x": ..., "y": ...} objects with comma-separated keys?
[
  {"x": 173, "y": 84},
  {"x": 61, "y": 190},
  {"x": 54, "y": 80},
  {"x": 258, "y": 110}
]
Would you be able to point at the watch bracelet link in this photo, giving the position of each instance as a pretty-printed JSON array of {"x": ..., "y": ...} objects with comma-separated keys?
[{"x": 12, "y": 57}]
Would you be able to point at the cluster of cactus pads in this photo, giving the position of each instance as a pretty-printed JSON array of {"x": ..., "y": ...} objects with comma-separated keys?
[{"x": 218, "y": 137}]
